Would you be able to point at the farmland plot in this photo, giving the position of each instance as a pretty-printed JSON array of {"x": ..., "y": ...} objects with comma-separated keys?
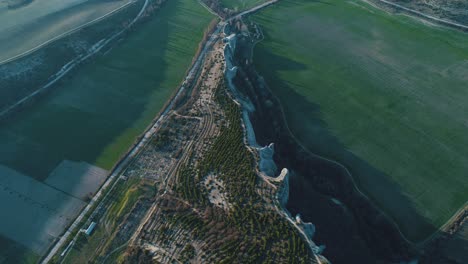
[
  {"x": 96, "y": 114},
  {"x": 384, "y": 95}
]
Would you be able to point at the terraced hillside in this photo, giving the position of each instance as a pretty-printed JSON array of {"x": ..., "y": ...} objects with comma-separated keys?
[
  {"x": 384, "y": 95},
  {"x": 183, "y": 200}
]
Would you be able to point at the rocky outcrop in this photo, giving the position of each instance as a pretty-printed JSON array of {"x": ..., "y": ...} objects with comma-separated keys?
[{"x": 266, "y": 163}]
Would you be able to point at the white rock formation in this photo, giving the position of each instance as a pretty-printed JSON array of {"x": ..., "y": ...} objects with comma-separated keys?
[{"x": 267, "y": 164}]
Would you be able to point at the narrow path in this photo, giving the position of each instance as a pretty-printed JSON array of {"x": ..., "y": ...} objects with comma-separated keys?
[
  {"x": 443, "y": 21},
  {"x": 113, "y": 251},
  {"x": 193, "y": 73},
  {"x": 198, "y": 137},
  {"x": 75, "y": 62},
  {"x": 209, "y": 9},
  {"x": 253, "y": 10},
  {"x": 25, "y": 53},
  {"x": 118, "y": 169}
]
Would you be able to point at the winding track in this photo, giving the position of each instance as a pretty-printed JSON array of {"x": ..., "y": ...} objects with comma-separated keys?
[
  {"x": 118, "y": 169},
  {"x": 71, "y": 31},
  {"x": 440, "y": 20},
  {"x": 206, "y": 126},
  {"x": 74, "y": 63},
  {"x": 207, "y": 123}
]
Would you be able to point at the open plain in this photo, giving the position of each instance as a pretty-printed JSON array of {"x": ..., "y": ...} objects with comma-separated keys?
[
  {"x": 383, "y": 95},
  {"x": 94, "y": 116},
  {"x": 31, "y": 26}
]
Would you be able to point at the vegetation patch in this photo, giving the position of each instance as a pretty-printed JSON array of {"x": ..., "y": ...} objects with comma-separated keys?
[
  {"x": 121, "y": 201},
  {"x": 250, "y": 231}
]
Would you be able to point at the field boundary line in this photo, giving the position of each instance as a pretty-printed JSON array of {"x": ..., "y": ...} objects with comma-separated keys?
[
  {"x": 445, "y": 226},
  {"x": 69, "y": 32},
  {"x": 97, "y": 47},
  {"x": 348, "y": 173},
  {"x": 134, "y": 151},
  {"x": 209, "y": 9},
  {"x": 429, "y": 17},
  {"x": 116, "y": 171}
]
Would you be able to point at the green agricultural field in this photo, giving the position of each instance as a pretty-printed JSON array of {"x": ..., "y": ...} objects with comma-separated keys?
[
  {"x": 26, "y": 28},
  {"x": 239, "y": 5},
  {"x": 11, "y": 252},
  {"x": 385, "y": 95},
  {"x": 96, "y": 114}
]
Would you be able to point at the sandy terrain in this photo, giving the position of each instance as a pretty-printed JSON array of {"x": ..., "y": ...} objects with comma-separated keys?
[{"x": 217, "y": 192}]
